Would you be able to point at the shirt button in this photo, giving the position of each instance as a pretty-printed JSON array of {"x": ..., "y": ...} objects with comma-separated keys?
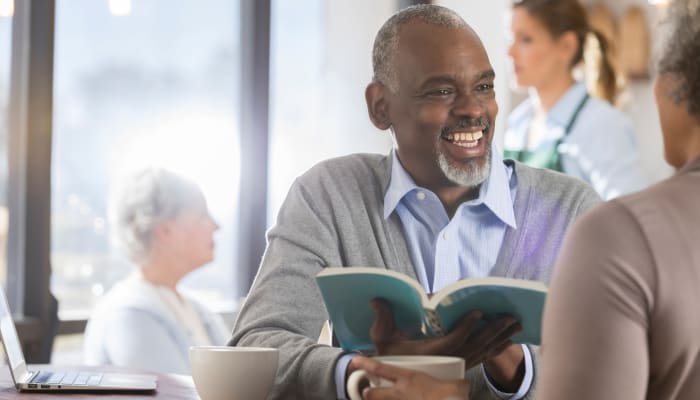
[
  {"x": 445, "y": 236},
  {"x": 420, "y": 196}
]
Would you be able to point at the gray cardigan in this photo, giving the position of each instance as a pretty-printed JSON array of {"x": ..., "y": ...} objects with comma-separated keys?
[{"x": 332, "y": 216}]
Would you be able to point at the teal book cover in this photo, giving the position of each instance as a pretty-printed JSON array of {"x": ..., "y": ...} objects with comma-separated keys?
[{"x": 347, "y": 292}]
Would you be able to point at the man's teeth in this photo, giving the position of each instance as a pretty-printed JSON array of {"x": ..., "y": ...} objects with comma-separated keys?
[
  {"x": 466, "y": 144},
  {"x": 465, "y": 137}
]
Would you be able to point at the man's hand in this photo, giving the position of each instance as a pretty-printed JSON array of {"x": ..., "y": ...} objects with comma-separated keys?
[
  {"x": 465, "y": 340},
  {"x": 507, "y": 368},
  {"x": 388, "y": 340},
  {"x": 408, "y": 384}
]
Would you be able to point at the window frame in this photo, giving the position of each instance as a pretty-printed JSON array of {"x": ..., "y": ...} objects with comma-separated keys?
[{"x": 29, "y": 183}]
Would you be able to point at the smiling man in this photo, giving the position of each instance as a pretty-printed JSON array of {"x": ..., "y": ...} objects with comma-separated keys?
[{"x": 442, "y": 206}]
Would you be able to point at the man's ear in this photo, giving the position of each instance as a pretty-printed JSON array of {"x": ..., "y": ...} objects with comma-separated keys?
[{"x": 378, "y": 105}]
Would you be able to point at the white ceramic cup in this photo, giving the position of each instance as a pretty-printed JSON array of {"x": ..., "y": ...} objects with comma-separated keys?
[
  {"x": 233, "y": 373},
  {"x": 440, "y": 367}
]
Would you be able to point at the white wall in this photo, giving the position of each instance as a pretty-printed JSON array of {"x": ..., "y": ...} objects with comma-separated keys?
[
  {"x": 351, "y": 28},
  {"x": 321, "y": 64}
]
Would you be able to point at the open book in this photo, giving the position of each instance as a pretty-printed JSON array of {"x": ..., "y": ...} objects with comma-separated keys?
[{"x": 347, "y": 292}]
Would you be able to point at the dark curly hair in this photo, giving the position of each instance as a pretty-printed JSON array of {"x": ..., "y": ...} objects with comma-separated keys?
[{"x": 680, "y": 56}]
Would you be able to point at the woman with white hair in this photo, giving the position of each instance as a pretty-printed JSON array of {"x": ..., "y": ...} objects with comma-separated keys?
[{"x": 144, "y": 321}]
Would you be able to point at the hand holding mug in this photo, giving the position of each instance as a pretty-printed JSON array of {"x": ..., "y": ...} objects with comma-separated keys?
[{"x": 408, "y": 377}]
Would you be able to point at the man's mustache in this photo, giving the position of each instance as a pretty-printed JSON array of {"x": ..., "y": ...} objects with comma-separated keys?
[{"x": 466, "y": 123}]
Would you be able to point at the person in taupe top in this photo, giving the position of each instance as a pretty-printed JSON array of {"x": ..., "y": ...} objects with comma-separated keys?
[{"x": 621, "y": 318}]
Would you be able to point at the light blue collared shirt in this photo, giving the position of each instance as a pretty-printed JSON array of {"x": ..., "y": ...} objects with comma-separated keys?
[
  {"x": 601, "y": 148},
  {"x": 473, "y": 237}
]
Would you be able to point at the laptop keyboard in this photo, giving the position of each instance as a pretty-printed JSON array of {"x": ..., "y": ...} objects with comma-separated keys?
[{"x": 68, "y": 378}]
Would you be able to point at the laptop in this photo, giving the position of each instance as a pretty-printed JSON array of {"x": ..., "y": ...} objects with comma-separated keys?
[{"x": 48, "y": 381}]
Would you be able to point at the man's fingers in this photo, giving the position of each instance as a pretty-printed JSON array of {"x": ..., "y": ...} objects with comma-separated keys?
[
  {"x": 467, "y": 325},
  {"x": 383, "y": 328},
  {"x": 453, "y": 341},
  {"x": 492, "y": 335},
  {"x": 361, "y": 362},
  {"x": 379, "y": 393},
  {"x": 379, "y": 369},
  {"x": 502, "y": 338},
  {"x": 494, "y": 329},
  {"x": 385, "y": 371}
]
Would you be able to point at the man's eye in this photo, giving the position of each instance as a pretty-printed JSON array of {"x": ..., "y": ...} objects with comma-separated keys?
[
  {"x": 440, "y": 92},
  {"x": 485, "y": 87}
]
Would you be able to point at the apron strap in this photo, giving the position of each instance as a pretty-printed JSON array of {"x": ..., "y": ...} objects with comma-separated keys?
[{"x": 574, "y": 116}]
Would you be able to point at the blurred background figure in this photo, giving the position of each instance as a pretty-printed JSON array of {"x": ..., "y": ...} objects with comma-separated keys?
[
  {"x": 144, "y": 322},
  {"x": 565, "y": 124}
]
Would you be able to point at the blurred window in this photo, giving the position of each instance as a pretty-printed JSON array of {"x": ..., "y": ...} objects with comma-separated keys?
[{"x": 136, "y": 84}]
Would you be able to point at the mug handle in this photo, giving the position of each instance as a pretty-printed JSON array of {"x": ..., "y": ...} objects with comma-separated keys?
[{"x": 354, "y": 383}]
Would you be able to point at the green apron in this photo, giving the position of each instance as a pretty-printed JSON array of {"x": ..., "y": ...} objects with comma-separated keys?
[{"x": 547, "y": 158}]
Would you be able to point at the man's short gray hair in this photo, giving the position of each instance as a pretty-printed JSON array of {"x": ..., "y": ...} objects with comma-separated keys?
[
  {"x": 680, "y": 55},
  {"x": 386, "y": 43},
  {"x": 149, "y": 197}
]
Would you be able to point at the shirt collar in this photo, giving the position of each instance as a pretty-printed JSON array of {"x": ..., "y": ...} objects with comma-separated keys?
[
  {"x": 400, "y": 184},
  {"x": 494, "y": 193},
  {"x": 565, "y": 107}
]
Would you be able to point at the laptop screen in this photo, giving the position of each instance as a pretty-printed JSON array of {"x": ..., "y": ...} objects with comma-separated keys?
[{"x": 10, "y": 340}]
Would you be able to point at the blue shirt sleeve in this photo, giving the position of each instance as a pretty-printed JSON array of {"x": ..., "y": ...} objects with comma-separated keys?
[{"x": 341, "y": 368}]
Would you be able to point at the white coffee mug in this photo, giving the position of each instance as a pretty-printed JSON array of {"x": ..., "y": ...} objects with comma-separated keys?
[
  {"x": 440, "y": 367},
  {"x": 233, "y": 373}
]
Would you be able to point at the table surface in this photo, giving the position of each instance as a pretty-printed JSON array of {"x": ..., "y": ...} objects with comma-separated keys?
[{"x": 170, "y": 386}]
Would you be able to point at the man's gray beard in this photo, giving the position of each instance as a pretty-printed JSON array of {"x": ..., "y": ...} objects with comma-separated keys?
[{"x": 471, "y": 175}]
